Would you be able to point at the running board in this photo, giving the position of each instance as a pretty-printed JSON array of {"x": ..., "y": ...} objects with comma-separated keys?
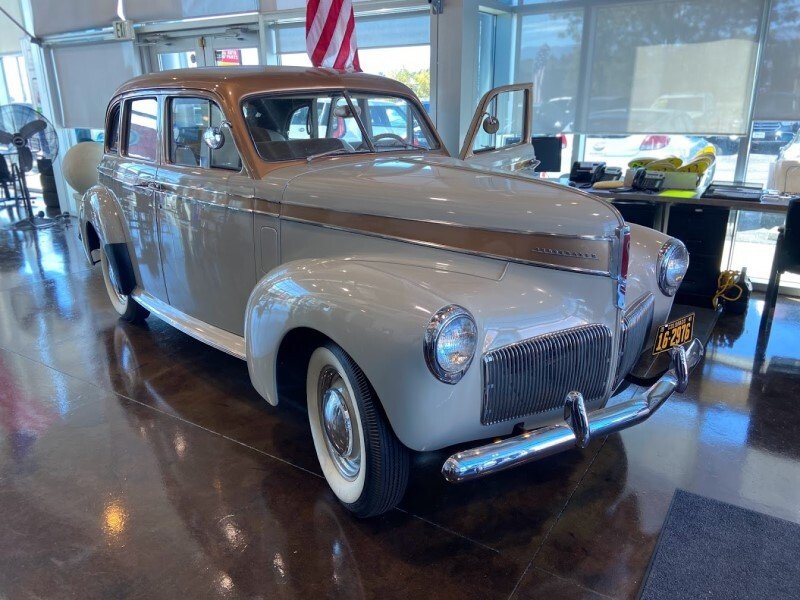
[{"x": 208, "y": 334}]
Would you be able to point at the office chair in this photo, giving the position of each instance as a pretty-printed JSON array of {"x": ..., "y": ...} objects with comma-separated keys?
[
  {"x": 5, "y": 179},
  {"x": 787, "y": 258}
]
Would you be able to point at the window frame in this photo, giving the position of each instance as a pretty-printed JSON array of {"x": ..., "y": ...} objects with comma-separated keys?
[
  {"x": 117, "y": 106},
  {"x": 126, "y": 118},
  {"x": 167, "y": 130}
]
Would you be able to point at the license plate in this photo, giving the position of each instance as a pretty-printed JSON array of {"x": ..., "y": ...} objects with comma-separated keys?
[
  {"x": 759, "y": 135},
  {"x": 674, "y": 333}
]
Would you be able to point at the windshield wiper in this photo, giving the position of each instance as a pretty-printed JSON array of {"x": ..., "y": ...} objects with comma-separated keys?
[{"x": 311, "y": 157}]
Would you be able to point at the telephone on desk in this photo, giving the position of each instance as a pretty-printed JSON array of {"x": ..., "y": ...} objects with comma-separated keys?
[
  {"x": 590, "y": 174},
  {"x": 586, "y": 173},
  {"x": 649, "y": 181}
]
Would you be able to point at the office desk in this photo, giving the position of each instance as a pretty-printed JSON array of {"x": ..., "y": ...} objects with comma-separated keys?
[
  {"x": 665, "y": 203},
  {"x": 701, "y": 223}
]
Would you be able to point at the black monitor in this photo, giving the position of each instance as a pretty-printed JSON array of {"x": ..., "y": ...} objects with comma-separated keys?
[{"x": 548, "y": 153}]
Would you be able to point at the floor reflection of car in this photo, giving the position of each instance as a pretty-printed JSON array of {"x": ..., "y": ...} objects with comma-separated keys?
[{"x": 630, "y": 146}]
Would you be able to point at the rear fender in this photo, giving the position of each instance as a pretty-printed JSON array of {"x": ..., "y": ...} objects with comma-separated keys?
[{"x": 101, "y": 208}]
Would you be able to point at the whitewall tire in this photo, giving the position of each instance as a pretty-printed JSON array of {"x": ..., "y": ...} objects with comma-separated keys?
[
  {"x": 126, "y": 307},
  {"x": 362, "y": 460}
]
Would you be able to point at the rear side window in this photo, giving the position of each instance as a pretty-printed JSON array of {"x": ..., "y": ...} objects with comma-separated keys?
[
  {"x": 141, "y": 121},
  {"x": 189, "y": 118},
  {"x": 112, "y": 129}
]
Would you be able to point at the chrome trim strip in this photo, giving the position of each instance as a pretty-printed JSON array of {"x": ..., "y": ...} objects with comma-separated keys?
[
  {"x": 446, "y": 247},
  {"x": 570, "y": 253},
  {"x": 288, "y": 208},
  {"x": 540, "y": 443},
  {"x": 208, "y": 334}
]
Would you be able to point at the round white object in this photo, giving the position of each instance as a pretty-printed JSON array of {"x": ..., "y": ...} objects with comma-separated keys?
[{"x": 79, "y": 165}]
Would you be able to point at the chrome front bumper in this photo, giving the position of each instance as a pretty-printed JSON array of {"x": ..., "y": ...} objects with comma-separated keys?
[{"x": 579, "y": 427}]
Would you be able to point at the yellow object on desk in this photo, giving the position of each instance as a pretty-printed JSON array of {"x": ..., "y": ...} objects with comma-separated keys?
[{"x": 678, "y": 193}]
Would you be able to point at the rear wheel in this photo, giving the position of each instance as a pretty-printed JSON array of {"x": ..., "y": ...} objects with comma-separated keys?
[
  {"x": 127, "y": 308},
  {"x": 364, "y": 463}
]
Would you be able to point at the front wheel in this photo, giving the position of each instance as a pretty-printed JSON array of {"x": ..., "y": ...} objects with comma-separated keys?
[
  {"x": 127, "y": 308},
  {"x": 364, "y": 463}
]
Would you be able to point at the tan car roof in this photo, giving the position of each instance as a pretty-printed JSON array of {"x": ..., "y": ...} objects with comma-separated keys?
[
  {"x": 236, "y": 82},
  {"x": 231, "y": 84}
]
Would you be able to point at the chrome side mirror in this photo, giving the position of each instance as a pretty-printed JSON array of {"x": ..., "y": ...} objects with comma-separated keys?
[
  {"x": 491, "y": 124},
  {"x": 214, "y": 138}
]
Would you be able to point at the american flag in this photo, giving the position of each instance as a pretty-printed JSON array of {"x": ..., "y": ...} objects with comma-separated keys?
[{"x": 331, "y": 34}]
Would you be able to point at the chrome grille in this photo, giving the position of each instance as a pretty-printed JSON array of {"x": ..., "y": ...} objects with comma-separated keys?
[
  {"x": 535, "y": 375},
  {"x": 635, "y": 328}
]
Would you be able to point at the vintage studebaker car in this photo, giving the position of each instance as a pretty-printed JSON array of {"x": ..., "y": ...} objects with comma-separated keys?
[{"x": 413, "y": 300}]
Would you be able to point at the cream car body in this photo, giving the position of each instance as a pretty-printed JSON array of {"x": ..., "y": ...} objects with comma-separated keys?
[{"x": 267, "y": 260}]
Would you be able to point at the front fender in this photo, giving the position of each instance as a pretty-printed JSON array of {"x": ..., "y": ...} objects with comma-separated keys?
[
  {"x": 643, "y": 271},
  {"x": 100, "y": 207},
  {"x": 377, "y": 317},
  {"x": 377, "y": 311}
]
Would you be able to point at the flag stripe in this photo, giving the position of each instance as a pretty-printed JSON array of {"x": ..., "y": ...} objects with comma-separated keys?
[{"x": 330, "y": 34}]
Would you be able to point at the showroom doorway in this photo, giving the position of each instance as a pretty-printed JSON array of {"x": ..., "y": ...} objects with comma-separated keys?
[{"x": 235, "y": 46}]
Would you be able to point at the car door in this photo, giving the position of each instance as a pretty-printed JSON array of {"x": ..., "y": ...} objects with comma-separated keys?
[
  {"x": 206, "y": 216},
  {"x": 134, "y": 175},
  {"x": 499, "y": 136}
]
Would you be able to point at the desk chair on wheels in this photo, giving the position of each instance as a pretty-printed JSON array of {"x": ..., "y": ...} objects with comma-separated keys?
[{"x": 787, "y": 258}]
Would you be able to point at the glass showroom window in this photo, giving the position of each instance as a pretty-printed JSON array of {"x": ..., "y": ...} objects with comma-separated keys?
[
  {"x": 15, "y": 79},
  {"x": 756, "y": 233},
  {"x": 396, "y": 46},
  {"x": 646, "y": 96},
  {"x": 768, "y": 140},
  {"x": 487, "y": 26},
  {"x": 549, "y": 56}
]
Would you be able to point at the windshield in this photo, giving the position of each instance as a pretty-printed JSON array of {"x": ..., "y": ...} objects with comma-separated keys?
[{"x": 307, "y": 125}]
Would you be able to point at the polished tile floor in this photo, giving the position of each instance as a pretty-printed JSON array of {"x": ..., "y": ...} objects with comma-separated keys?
[{"x": 137, "y": 462}]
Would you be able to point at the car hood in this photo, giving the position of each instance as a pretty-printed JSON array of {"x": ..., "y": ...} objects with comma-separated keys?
[{"x": 444, "y": 202}]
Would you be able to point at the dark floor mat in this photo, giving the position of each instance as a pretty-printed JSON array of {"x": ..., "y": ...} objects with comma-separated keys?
[{"x": 709, "y": 549}]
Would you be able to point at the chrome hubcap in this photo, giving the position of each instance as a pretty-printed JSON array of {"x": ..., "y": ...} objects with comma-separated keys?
[
  {"x": 335, "y": 412},
  {"x": 338, "y": 427}
]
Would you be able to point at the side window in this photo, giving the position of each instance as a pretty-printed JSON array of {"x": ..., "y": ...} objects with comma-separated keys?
[
  {"x": 189, "y": 118},
  {"x": 141, "y": 139},
  {"x": 509, "y": 109},
  {"x": 112, "y": 129}
]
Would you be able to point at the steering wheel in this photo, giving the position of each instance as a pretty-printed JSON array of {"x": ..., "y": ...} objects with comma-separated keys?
[{"x": 389, "y": 136}]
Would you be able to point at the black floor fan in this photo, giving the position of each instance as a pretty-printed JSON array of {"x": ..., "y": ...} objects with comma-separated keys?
[{"x": 25, "y": 133}]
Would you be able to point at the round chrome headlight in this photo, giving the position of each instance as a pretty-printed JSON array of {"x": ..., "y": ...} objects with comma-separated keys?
[
  {"x": 450, "y": 342},
  {"x": 673, "y": 260}
]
